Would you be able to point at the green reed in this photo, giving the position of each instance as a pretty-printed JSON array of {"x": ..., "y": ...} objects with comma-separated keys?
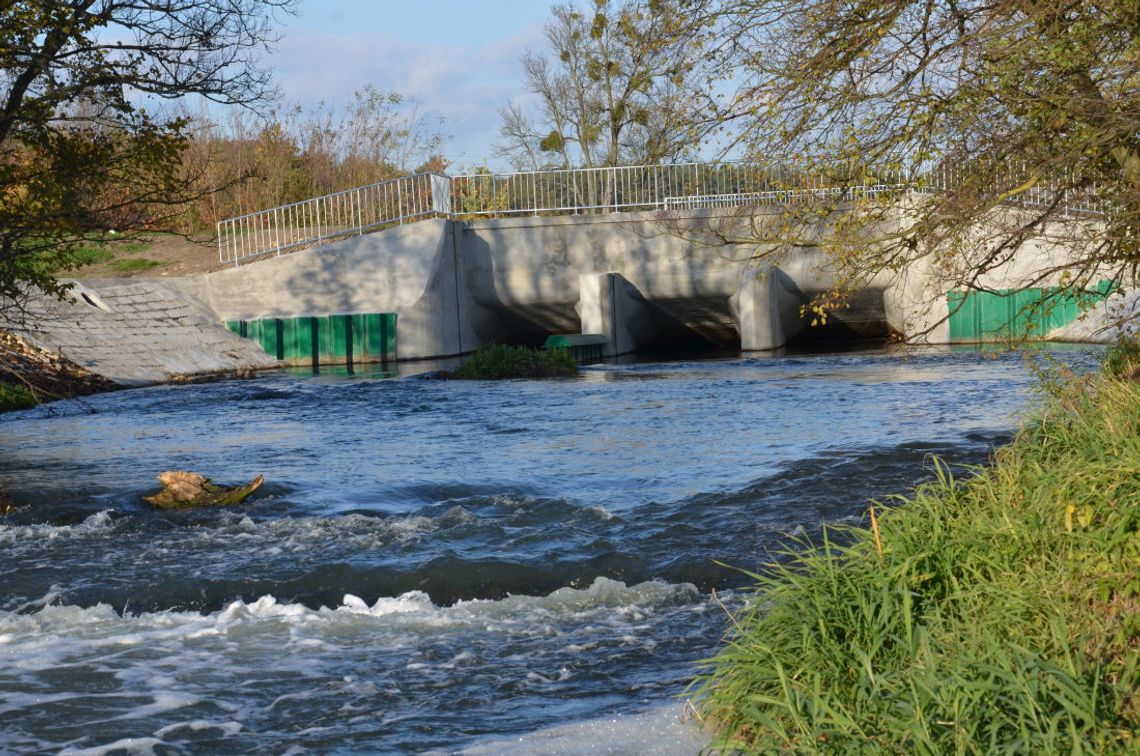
[{"x": 993, "y": 614}]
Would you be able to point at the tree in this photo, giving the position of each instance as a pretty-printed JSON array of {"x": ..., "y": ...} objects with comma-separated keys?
[
  {"x": 620, "y": 84},
  {"x": 84, "y": 144},
  {"x": 1021, "y": 118}
]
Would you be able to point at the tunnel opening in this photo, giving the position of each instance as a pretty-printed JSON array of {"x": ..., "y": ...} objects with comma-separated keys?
[
  {"x": 862, "y": 324},
  {"x": 690, "y": 326}
]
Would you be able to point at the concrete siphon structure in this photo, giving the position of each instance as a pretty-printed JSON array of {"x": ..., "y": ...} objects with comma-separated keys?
[{"x": 641, "y": 279}]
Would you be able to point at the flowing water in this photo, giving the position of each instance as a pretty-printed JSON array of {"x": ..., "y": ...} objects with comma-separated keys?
[{"x": 433, "y": 565}]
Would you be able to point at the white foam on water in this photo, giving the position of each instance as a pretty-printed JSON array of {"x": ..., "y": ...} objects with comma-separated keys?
[
  {"x": 42, "y": 534},
  {"x": 163, "y": 703},
  {"x": 174, "y": 669},
  {"x": 133, "y": 746},
  {"x": 665, "y": 730},
  {"x": 57, "y": 635},
  {"x": 357, "y": 532},
  {"x": 228, "y": 729}
]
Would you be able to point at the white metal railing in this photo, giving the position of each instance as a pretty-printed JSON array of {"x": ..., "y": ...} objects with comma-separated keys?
[
  {"x": 353, "y": 211},
  {"x": 779, "y": 196},
  {"x": 572, "y": 191},
  {"x": 624, "y": 188}
]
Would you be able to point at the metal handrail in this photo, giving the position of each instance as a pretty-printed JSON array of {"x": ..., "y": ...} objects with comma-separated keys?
[
  {"x": 562, "y": 191},
  {"x": 351, "y": 211}
]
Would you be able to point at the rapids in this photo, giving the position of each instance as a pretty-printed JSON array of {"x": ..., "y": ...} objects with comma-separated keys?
[{"x": 436, "y": 565}]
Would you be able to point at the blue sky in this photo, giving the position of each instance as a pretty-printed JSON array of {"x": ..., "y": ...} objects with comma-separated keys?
[{"x": 459, "y": 58}]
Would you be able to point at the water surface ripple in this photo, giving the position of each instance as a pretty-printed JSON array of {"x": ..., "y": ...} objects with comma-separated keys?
[{"x": 432, "y": 564}]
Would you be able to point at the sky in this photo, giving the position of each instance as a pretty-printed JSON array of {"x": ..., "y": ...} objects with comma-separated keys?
[{"x": 458, "y": 58}]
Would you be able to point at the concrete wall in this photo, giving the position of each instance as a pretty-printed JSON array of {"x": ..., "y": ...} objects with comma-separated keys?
[
  {"x": 457, "y": 286},
  {"x": 917, "y": 300},
  {"x": 410, "y": 270}
]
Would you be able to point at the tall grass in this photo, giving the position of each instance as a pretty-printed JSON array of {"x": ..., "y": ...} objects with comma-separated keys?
[{"x": 995, "y": 614}]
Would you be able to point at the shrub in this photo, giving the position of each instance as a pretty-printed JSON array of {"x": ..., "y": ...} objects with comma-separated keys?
[
  {"x": 1122, "y": 357},
  {"x": 499, "y": 361}
]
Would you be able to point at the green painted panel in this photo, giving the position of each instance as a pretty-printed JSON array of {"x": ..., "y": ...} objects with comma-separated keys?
[
  {"x": 333, "y": 339},
  {"x": 370, "y": 325},
  {"x": 380, "y": 336},
  {"x": 271, "y": 336},
  {"x": 963, "y": 318},
  {"x": 565, "y": 341},
  {"x": 359, "y": 342},
  {"x": 1016, "y": 314},
  {"x": 585, "y": 347},
  {"x": 325, "y": 345},
  {"x": 253, "y": 331},
  {"x": 298, "y": 336}
]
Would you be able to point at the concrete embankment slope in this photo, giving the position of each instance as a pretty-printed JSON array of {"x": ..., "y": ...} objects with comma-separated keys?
[{"x": 137, "y": 333}]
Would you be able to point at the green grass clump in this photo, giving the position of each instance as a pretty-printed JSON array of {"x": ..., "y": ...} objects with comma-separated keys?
[
  {"x": 499, "y": 361},
  {"x": 133, "y": 264},
  {"x": 16, "y": 397},
  {"x": 94, "y": 253},
  {"x": 998, "y": 614}
]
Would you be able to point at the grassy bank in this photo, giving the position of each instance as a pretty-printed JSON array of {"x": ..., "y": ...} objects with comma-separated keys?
[
  {"x": 15, "y": 397},
  {"x": 998, "y": 613}
]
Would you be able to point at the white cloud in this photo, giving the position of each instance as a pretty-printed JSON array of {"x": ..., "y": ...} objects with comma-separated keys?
[{"x": 465, "y": 85}]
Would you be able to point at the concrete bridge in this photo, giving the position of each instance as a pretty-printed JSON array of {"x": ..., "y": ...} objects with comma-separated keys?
[
  {"x": 467, "y": 260},
  {"x": 457, "y": 285},
  {"x": 432, "y": 266},
  {"x": 624, "y": 264}
]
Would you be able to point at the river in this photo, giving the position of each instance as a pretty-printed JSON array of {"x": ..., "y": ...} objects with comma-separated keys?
[{"x": 436, "y": 565}]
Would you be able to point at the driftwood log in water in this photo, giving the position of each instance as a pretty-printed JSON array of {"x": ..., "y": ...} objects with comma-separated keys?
[{"x": 182, "y": 490}]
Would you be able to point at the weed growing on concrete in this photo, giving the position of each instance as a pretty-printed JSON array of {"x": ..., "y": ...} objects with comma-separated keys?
[{"x": 999, "y": 613}]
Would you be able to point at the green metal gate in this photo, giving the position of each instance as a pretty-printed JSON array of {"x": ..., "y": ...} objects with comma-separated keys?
[{"x": 323, "y": 339}]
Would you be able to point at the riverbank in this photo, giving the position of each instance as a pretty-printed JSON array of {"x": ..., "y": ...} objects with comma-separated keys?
[
  {"x": 999, "y": 612},
  {"x": 30, "y": 375}
]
